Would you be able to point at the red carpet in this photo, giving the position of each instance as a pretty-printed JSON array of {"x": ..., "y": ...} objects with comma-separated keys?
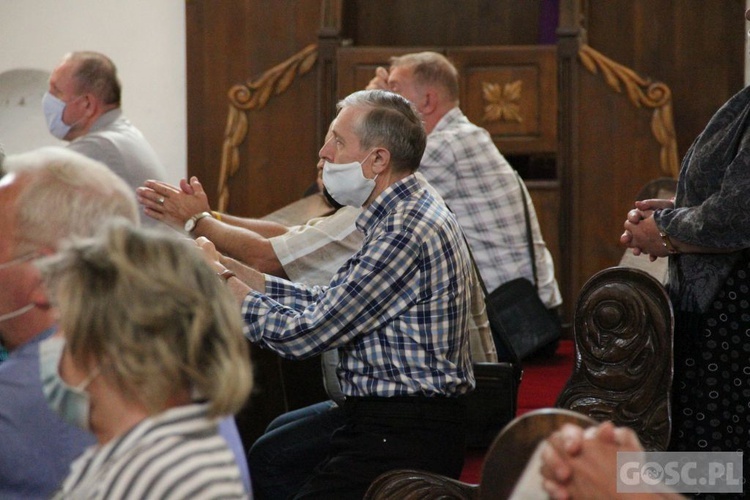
[{"x": 542, "y": 381}]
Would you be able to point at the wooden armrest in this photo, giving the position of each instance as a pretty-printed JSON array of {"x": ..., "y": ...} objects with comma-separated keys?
[{"x": 413, "y": 484}]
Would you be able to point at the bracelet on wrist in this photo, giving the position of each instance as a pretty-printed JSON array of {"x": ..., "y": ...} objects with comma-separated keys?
[
  {"x": 668, "y": 243},
  {"x": 216, "y": 215}
]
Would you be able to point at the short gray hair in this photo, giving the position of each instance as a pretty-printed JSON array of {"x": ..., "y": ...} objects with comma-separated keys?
[
  {"x": 66, "y": 194},
  {"x": 145, "y": 307},
  {"x": 431, "y": 68},
  {"x": 391, "y": 122}
]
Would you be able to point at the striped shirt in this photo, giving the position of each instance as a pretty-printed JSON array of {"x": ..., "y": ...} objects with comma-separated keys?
[
  {"x": 397, "y": 310},
  {"x": 177, "y": 454},
  {"x": 463, "y": 164}
]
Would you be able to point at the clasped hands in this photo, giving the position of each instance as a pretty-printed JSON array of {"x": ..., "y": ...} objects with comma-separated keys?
[
  {"x": 582, "y": 463},
  {"x": 641, "y": 233},
  {"x": 171, "y": 204}
]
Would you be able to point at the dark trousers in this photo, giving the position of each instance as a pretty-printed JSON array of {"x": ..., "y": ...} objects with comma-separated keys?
[
  {"x": 382, "y": 434},
  {"x": 294, "y": 443}
]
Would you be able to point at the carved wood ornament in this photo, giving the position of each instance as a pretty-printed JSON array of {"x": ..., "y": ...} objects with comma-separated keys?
[
  {"x": 251, "y": 96},
  {"x": 641, "y": 92},
  {"x": 502, "y": 101},
  {"x": 623, "y": 366}
]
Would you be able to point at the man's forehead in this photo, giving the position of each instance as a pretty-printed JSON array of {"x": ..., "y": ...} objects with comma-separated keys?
[
  {"x": 63, "y": 74},
  {"x": 400, "y": 73},
  {"x": 343, "y": 125}
]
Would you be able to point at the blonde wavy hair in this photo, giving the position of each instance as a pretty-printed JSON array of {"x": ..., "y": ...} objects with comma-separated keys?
[{"x": 148, "y": 310}]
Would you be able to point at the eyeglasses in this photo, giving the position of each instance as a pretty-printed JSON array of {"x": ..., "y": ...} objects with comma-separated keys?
[{"x": 18, "y": 260}]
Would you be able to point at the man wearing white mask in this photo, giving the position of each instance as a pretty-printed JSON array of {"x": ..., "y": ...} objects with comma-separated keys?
[
  {"x": 46, "y": 196},
  {"x": 310, "y": 253},
  {"x": 83, "y": 106},
  {"x": 397, "y": 310}
]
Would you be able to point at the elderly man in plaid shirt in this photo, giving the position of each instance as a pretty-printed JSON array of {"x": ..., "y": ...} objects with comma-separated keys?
[{"x": 397, "y": 310}]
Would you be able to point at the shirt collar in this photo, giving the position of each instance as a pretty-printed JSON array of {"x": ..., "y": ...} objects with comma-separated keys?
[
  {"x": 106, "y": 119},
  {"x": 386, "y": 202},
  {"x": 448, "y": 118}
]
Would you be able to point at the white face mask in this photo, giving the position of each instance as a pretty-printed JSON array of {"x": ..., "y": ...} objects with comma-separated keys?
[
  {"x": 71, "y": 403},
  {"x": 54, "y": 108},
  {"x": 346, "y": 182},
  {"x": 27, "y": 307}
]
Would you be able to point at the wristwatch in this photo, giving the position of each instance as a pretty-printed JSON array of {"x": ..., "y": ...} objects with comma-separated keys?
[{"x": 192, "y": 221}]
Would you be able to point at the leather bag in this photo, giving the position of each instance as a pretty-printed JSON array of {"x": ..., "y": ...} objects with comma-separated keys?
[{"x": 516, "y": 309}]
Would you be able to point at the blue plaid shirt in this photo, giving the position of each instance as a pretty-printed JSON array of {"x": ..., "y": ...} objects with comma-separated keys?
[{"x": 397, "y": 310}]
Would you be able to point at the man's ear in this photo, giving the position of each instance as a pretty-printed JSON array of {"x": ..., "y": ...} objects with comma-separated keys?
[
  {"x": 429, "y": 101},
  {"x": 92, "y": 104},
  {"x": 382, "y": 159}
]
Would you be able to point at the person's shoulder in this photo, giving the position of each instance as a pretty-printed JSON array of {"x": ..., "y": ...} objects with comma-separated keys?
[
  {"x": 207, "y": 460},
  {"x": 93, "y": 141},
  {"x": 455, "y": 128},
  {"x": 344, "y": 213},
  {"x": 423, "y": 209},
  {"x": 21, "y": 363}
]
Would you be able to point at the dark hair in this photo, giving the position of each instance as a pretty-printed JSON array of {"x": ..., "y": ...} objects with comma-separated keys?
[
  {"x": 97, "y": 74},
  {"x": 390, "y": 122}
]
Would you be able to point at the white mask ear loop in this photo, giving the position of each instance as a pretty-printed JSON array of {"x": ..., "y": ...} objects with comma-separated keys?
[
  {"x": 16, "y": 313},
  {"x": 27, "y": 307}
]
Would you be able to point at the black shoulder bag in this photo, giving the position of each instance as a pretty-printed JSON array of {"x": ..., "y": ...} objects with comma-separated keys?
[{"x": 516, "y": 309}]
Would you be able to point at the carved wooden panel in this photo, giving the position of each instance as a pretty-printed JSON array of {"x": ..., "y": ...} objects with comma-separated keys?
[
  {"x": 512, "y": 92},
  {"x": 624, "y": 364}
]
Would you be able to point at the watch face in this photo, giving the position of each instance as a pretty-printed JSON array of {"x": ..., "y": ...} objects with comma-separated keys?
[{"x": 190, "y": 224}]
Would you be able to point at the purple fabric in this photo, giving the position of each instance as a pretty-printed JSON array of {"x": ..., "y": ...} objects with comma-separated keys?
[{"x": 549, "y": 13}]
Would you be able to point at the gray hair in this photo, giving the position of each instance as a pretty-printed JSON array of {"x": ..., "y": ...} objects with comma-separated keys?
[
  {"x": 145, "y": 307},
  {"x": 431, "y": 68},
  {"x": 65, "y": 194},
  {"x": 391, "y": 122}
]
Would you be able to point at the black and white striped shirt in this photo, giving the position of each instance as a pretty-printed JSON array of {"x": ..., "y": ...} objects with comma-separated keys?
[{"x": 177, "y": 454}]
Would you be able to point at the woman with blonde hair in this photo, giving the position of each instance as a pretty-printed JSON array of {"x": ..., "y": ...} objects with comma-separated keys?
[{"x": 151, "y": 356}]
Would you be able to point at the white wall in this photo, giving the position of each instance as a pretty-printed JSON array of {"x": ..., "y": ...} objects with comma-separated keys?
[{"x": 144, "y": 38}]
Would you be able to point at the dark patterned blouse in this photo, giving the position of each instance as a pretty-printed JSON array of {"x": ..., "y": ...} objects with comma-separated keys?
[{"x": 712, "y": 206}]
